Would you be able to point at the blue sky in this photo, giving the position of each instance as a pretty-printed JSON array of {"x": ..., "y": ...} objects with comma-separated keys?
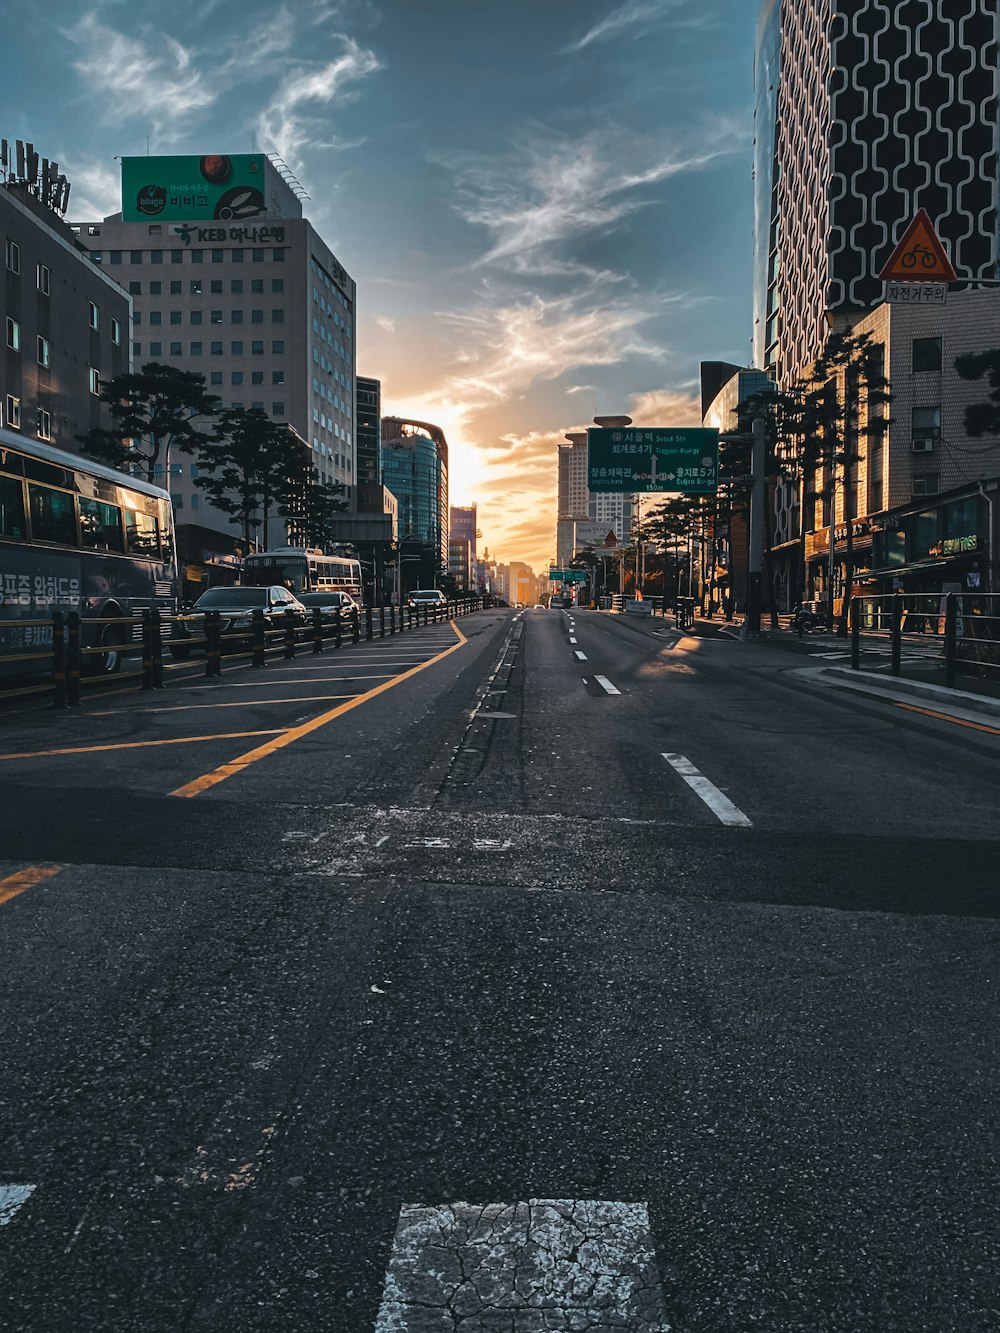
[{"x": 546, "y": 204}]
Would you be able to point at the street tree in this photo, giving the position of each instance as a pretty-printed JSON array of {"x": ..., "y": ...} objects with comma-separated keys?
[
  {"x": 153, "y": 410},
  {"x": 982, "y": 418},
  {"x": 250, "y": 466}
]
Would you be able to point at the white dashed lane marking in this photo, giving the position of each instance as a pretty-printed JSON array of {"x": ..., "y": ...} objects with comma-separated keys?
[
  {"x": 580, "y": 656},
  {"x": 606, "y": 685},
  {"x": 719, "y": 804},
  {"x": 539, "y": 1264}
]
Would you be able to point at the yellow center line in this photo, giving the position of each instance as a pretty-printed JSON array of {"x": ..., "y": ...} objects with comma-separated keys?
[
  {"x": 947, "y": 717},
  {"x": 25, "y": 879},
  {"x": 139, "y": 745},
  {"x": 293, "y": 734}
]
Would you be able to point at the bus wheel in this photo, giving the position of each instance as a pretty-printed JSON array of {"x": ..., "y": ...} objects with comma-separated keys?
[{"x": 110, "y": 661}]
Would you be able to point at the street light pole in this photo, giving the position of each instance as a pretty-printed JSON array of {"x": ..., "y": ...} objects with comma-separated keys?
[{"x": 758, "y": 501}]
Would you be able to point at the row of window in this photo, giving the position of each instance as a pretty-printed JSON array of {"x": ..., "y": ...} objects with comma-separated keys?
[
  {"x": 329, "y": 283},
  {"x": 12, "y": 417},
  {"x": 215, "y": 348},
  {"x": 215, "y": 316},
  {"x": 74, "y": 520},
  {"x": 197, "y": 256},
  {"x": 43, "y": 275},
  {"x": 44, "y": 347},
  {"x": 197, "y": 287}
]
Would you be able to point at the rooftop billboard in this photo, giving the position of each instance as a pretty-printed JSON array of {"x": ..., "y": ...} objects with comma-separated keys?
[{"x": 193, "y": 189}]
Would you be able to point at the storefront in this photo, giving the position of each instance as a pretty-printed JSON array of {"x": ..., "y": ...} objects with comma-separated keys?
[{"x": 937, "y": 544}]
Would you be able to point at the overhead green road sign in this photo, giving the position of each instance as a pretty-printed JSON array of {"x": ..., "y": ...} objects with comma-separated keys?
[
  {"x": 567, "y": 576},
  {"x": 657, "y": 458}
]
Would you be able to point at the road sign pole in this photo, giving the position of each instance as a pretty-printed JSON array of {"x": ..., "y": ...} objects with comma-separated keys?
[{"x": 758, "y": 500}]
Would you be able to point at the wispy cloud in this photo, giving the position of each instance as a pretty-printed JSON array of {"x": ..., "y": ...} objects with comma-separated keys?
[
  {"x": 633, "y": 19},
  {"x": 288, "y": 120},
  {"x": 96, "y": 188},
  {"x": 384, "y": 322},
  {"x": 148, "y": 78},
  {"x": 665, "y": 407},
  {"x": 581, "y": 388}
]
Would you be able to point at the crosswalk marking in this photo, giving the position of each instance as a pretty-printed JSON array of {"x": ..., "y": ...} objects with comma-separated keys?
[{"x": 539, "y": 1264}]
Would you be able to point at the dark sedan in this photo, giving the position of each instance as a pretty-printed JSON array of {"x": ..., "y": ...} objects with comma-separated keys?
[{"x": 235, "y": 607}]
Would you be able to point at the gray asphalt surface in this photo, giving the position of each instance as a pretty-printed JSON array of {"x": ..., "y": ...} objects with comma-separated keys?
[{"x": 477, "y": 941}]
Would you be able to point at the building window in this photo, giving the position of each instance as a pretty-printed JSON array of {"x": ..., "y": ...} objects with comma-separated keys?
[
  {"x": 926, "y": 354},
  {"x": 175, "y": 288},
  {"x": 176, "y": 349},
  {"x": 257, "y": 284},
  {"x": 236, "y": 377},
  {"x": 236, "y": 286},
  {"x": 135, "y": 288},
  {"x": 258, "y": 406},
  {"x": 195, "y": 316},
  {"x": 216, "y": 286},
  {"x": 277, "y": 377},
  {"x": 926, "y": 428},
  {"x": 116, "y": 333},
  {"x": 135, "y": 256},
  {"x": 197, "y": 256},
  {"x": 218, "y": 256},
  {"x": 136, "y": 317},
  {"x": 155, "y": 288},
  {"x": 216, "y": 376},
  {"x": 256, "y": 377},
  {"x": 156, "y": 256},
  {"x": 257, "y": 348},
  {"x": 196, "y": 286},
  {"x": 42, "y": 278},
  {"x": 926, "y": 483},
  {"x": 94, "y": 378},
  {"x": 155, "y": 229},
  {"x": 156, "y": 349},
  {"x": 13, "y": 334},
  {"x": 215, "y": 348},
  {"x": 176, "y": 316},
  {"x": 137, "y": 349},
  {"x": 277, "y": 316},
  {"x": 238, "y": 257},
  {"x": 256, "y": 317},
  {"x": 278, "y": 409},
  {"x": 13, "y": 411},
  {"x": 13, "y": 256},
  {"x": 44, "y": 429},
  {"x": 278, "y": 346},
  {"x": 258, "y": 256},
  {"x": 236, "y": 348},
  {"x": 196, "y": 349},
  {"x": 177, "y": 256},
  {"x": 94, "y": 315},
  {"x": 195, "y": 499},
  {"x": 156, "y": 317},
  {"x": 215, "y": 317},
  {"x": 236, "y": 317},
  {"x": 237, "y": 407},
  {"x": 44, "y": 355},
  {"x": 277, "y": 284}
]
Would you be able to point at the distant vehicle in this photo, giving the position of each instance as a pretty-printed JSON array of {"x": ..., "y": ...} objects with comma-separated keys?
[
  {"x": 427, "y": 597},
  {"x": 77, "y": 536},
  {"x": 329, "y": 602},
  {"x": 302, "y": 569},
  {"x": 539, "y": 607},
  {"x": 235, "y": 607}
]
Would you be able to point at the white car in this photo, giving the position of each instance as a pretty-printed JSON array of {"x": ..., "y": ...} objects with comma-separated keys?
[{"x": 427, "y": 597}]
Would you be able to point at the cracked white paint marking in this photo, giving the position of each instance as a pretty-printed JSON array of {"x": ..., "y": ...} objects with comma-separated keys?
[
  {"x": 11, "y": 1199},
  {"x": 552, "y": 1264}
]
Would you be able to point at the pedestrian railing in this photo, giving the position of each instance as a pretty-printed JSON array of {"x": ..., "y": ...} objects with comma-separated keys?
[
  {"x": 958, "y": 631},
  {"x": 64, "y": 653}
]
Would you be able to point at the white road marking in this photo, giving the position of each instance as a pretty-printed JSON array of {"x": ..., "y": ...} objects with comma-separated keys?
[
  {"x": 719, "y": 804},
  {"x": 552, "y": 1263},
  {"x": 580, "y": 656},
  {"x": 571, "y": 639},
  {"x": 606, "y": 685},
  {"x": 11, "y": 1199}
]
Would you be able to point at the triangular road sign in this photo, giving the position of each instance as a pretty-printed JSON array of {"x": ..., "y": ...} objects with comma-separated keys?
[{"x": 919, "y": 256}]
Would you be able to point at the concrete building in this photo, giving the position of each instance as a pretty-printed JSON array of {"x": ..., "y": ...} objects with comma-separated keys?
[
  {"x": 368, "y": 438},
  {"x": 460, "y": 563},
  {"x": 260, "y": 306},
  {"x": 415, "y": 470},
  {"x": 66, "y": 324},
  {"x": 863, "y": 115},
  {"x": 464, "y": 523},
  {"x": 576, "y": 503}
]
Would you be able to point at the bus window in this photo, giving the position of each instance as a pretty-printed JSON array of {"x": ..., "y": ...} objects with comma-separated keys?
[
  {"x": 100, "y": 525},
  {"x": 141, "y": 534},
  {"x": 12, "y": 522},
  {"x": 53, "y": 515}
]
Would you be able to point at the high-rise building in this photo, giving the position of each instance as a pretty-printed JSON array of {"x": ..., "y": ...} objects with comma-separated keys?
[
  {"x": 66, "y": 324},
  {"x": 464, "y": 525},
  {"x": 415, "y": 470},
  {"x": 576, "y": 503},
  {"x": 863, "y": 115},
  {"x": 228, "y": 279},
  {"x": 369, "y": 435}
]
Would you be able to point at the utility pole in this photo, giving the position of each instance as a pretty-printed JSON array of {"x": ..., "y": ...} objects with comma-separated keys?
[{"x": 758, "y": 502}]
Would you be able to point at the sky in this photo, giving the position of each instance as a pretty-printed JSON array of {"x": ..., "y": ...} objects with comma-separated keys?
[{"x": 546, "y": 204}]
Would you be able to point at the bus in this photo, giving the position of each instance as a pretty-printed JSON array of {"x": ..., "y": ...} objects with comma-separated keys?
[
  {"x": 78, "y": 536},
  {"x": 304, "y": 570}
]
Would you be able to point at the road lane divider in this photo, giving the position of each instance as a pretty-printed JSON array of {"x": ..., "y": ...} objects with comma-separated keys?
[
  {"x": 717, "y": 801},
  {"x": 14, "y": 885},
  {"x": 293, "y": 734},
  {"x": 606, "y": 685},
  {"x": 138, "y": 745},
  {"x": 580, "y": 657}
]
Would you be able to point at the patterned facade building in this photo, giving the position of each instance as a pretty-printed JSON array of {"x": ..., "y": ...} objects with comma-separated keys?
[{"x": 864, "y": 113}]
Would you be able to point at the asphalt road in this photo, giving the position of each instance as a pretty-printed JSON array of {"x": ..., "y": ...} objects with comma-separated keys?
[{"x": 547, "y": 971}]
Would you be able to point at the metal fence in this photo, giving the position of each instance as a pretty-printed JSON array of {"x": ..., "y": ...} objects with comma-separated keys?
[
  {"x": 958, "y": 631},
  {"x": 66, "y": 666}
]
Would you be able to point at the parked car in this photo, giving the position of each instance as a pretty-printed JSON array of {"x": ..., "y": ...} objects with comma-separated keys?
[
  {"x": 427, "y": 597},
  {"x": 235, "y": 607},
  {"x": 329, "y": 602}
]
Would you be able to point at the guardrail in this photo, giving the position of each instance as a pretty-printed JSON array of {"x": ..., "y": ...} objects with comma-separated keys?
[
  {"x": 64, "y": 658},
  {"x": 961, "y": 631}
]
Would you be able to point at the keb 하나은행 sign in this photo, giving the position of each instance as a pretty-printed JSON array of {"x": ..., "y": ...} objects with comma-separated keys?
[
  {"x": 214, "y": 188},
  {"x": 655, "y": 458}
]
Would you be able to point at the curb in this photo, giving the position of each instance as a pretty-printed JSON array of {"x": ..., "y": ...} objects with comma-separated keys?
[{"x": 957, "y": 701}]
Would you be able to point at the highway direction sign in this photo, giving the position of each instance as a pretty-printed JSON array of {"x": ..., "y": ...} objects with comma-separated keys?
[{"x": 656, "y": 458}]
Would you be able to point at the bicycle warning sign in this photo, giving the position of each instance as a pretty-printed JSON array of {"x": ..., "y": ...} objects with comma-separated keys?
[{"x": 919, "y": 255}]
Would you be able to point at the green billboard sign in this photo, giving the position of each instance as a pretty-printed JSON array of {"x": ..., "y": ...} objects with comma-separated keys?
[
  {"x": 657, "y": 458},
  {"x": 215, "y": 188}
]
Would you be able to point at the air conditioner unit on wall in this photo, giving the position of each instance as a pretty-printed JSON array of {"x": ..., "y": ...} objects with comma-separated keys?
[{"x": 924, "y": 445}]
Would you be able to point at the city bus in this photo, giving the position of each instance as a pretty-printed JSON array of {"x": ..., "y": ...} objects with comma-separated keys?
[
  {"x": 302, "y": 569},
  {"x": 78, "y": 536}
]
